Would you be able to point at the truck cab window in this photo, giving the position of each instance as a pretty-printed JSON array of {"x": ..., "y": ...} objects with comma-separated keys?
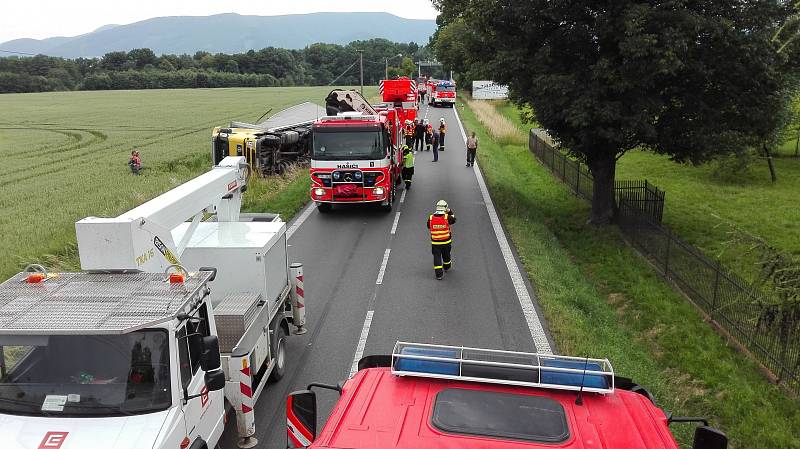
[{"x": 190, "y": 346}]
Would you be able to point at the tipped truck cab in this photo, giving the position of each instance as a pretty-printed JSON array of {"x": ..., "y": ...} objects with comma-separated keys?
[{"x": 456, "y": 397}]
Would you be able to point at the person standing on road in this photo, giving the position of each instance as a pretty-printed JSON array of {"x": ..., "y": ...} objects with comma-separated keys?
[
  {"x": 408, "y": 166},
  {"x": 409, "y": 133},
  {"x": 428, "y": 136},
  {"x": 441, "y": 237},
  {"x": 442, "y": 132},
  {"x": 419, "y": 135},
  {"x": 435, "y": 141},
  {"x": 472, "y": 148}
]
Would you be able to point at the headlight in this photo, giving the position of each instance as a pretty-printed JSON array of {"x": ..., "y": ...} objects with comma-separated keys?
[
  {"x": 378, "y": 191},
  {"x": 319, "y": 192},
  {"x": 337, "y": 175},
  {"x": 358, "y": 176}
]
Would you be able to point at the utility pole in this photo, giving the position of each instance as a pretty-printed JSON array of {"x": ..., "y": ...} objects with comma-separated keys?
[{"x": 361, "y": 64}]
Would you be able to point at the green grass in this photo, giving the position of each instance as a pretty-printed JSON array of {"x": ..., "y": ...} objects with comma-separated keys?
[
  {"x": 63, "y": 157},
  {"x": 601, "y": 299},
  {"x": 699, "y": 203}
]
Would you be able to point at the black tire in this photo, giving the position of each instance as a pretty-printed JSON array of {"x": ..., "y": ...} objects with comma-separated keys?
[
  {"x": 279, "y": 350},
  {"x": 390, "y": 202},
  {"x": 324, "y": 208}
]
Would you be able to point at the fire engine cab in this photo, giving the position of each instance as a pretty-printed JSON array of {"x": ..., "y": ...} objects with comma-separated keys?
[
  {"x": 442, "y": 93},
  {"x": 355, "y": 155},
  {"x": 434, "y": 396}
]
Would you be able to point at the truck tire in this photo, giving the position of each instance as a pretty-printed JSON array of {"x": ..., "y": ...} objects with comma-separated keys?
[
  {"x": 280, "y": 355},
  {"x": 390, "y": 202},
  {"x": 324, "y": 208}
]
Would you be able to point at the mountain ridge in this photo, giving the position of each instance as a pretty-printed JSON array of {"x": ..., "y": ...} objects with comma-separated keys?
[{"x": 230, "y": 33}]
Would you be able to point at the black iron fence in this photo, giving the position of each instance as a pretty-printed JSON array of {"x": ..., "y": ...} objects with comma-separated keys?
[
  {"x": 752, "y": 318},
  {"x": 640, "y": 194}
]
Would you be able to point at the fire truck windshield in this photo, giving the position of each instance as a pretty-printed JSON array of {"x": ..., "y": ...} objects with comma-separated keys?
[
  {"x": 344, "y": 144},
  {"x": 441, "y": 88},
  {"x": 85, "y": 375}
]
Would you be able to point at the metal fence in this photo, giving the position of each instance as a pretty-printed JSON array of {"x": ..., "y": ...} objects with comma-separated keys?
[
  {"x": 746, "y": 315},
  {"x": 640, "y": 194}
]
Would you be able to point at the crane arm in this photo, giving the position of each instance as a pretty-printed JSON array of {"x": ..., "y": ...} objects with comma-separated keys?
[{"x": 141, "y": 239}]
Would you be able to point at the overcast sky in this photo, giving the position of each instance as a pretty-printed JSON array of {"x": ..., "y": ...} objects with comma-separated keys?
[{"x": 47, "y": 18}]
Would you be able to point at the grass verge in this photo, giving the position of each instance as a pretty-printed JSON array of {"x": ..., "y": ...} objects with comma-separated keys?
[{"x": 601, "y": 299}]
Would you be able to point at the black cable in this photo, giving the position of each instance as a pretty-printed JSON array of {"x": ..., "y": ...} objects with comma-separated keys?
[{"x": 343, "y": 73}]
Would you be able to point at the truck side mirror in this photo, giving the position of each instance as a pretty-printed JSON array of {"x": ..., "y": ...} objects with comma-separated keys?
[
  {"x": 209, "y": 359},
  {"x": 215, "y": 380},
  {"x": 301, "y": 419},
  {"x": 706, "y": 437}
]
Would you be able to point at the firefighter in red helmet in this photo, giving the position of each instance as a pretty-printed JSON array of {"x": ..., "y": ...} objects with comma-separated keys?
[{"x": 441, "y": 237}]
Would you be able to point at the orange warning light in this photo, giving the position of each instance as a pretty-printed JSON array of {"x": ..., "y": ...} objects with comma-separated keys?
[
  {"x": 176, "y": 278},
  {"x": 35, "y": 278}
]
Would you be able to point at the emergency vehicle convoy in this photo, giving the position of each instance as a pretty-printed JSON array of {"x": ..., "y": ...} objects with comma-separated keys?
[
  {"x": 446, "y": 397},
  {"x": 441, "y": 93},
  {"x": 356, "y": 154},
  {"x": 146, "y": 348}
]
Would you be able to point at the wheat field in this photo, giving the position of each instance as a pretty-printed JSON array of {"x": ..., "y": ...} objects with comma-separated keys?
[{"x": 63, "y": 156}]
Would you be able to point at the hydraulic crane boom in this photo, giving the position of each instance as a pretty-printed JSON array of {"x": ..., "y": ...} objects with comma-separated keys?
[{"x": 142, "y": 240}]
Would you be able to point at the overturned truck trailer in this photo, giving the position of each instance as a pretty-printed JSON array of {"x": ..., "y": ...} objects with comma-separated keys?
[{"x": 271, "y": 146}]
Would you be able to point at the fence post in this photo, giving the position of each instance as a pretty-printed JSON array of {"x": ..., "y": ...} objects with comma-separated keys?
[
  {"x": 578, "y": 179},
  {"x": 564, "y": 167},
  {"x": 713, "y": 310},
  {"x": 666, "y": 257}
]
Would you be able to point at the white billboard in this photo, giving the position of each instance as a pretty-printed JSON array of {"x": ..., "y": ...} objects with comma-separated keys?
[{"x": 488, "y": 90}]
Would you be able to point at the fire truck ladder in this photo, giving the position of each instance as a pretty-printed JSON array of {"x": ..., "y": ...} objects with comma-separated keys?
[{"x": 503, "y": 367}]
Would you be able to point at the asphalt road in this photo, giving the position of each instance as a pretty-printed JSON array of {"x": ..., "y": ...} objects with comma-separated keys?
[{"x": 343, "y": 253}]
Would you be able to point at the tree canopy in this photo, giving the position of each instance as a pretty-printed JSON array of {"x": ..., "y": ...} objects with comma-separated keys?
[{"x": 690, "y": 79}]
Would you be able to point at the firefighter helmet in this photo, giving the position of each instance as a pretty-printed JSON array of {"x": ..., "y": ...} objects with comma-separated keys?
[{"x": 441, "y": 207}]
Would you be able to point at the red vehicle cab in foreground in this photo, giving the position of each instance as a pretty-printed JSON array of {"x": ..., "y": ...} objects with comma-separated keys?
[{"x": 445, "y": 397}]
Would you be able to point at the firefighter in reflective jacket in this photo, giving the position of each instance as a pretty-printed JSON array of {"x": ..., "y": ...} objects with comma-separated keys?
[
  {"x": 441, "y": 237},
  {"x": 408, "y": 166}
]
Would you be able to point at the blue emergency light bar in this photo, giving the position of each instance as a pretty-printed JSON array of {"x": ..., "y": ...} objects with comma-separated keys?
[{"x": 503, "y": 367}]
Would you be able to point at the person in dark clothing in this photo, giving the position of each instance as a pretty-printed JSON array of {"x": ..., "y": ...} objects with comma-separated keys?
[
  {"x": 435, "y": 146},
  {"x": 441, "y": 237},
  {"x": 419, "y": 135},
  {"x": 428, "y": 137}
]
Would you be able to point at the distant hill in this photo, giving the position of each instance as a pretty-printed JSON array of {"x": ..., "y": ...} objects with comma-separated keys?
[{"x": 230, "y": 33}]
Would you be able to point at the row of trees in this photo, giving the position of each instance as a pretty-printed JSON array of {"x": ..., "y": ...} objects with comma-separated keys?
[
  {"x": 141, "y": 68},
  {"x": 693, "y": 80}
]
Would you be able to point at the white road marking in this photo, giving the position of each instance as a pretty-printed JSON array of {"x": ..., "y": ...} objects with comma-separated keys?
[
  {"x": 362, "y": 342},
  {"x": 403, "y": 196},
  {"x": 396, "y": 219},
  {"x": 525, "y": 301},
  {"x": 382, "y": 271},
  {"x": 300, "y": 219}
]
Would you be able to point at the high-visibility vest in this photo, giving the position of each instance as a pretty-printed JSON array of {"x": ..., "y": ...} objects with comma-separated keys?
[
  {"x": 440, "y": 230},
  {"x": 409, "y": 131},
  {"x": 442, "y": 128},
  {"x": 408, "y": 160}
]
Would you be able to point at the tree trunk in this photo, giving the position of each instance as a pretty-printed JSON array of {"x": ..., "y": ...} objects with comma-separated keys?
[
  {"x": 770, "y": 163},
  {"x": 603, "y": 166},
  {"x": 797, "y": 144}
]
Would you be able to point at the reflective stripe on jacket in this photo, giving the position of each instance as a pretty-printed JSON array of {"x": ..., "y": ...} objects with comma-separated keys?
[{"x": 440, "y": 229}]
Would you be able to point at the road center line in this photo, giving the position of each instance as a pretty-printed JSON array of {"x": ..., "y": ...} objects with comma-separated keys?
[
  {"x": 362, "y": 342},
  {"x": 396, "y": 219},
  {"x": 525, "y": 301},
  {"x": 382, "y": 271},
  {"x": 403, "y": 196}
]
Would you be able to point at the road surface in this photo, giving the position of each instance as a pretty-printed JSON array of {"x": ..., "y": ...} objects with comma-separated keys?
[{"x": 369, "y": 282}]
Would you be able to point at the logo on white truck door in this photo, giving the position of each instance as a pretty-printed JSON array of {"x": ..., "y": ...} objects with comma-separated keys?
[{"x": 53, "y": 440}]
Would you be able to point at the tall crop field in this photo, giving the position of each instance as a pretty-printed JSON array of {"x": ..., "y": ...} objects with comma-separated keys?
[{"x": 63, "y": 156}]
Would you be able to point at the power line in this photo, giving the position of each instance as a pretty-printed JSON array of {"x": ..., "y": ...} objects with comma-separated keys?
[{"x": 343, "y": 73}]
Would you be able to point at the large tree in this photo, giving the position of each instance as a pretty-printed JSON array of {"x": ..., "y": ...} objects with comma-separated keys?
[{"x": 689, "y": 78}]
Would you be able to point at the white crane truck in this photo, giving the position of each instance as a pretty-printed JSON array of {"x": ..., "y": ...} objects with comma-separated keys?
[{"x": 146, "y": 348}]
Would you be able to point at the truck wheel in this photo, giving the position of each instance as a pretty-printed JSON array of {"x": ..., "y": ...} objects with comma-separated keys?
[
  {"x": 390, "y": 202},
  {"x": 324, "y": 208},
  {"x": 280, "y": 355}
]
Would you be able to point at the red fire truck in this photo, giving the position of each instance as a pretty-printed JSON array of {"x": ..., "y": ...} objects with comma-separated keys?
[
  {"x": 442, "y": 93},
  {"x": 445, "y": 397},
  {"x": 355, "y": 155}
]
